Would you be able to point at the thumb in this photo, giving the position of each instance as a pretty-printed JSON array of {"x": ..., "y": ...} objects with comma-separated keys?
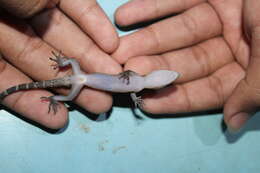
[{"x": 245, "y": 99}]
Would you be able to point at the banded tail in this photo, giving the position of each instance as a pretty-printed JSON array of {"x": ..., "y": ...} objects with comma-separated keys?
[{"x": 60, "y": 82}]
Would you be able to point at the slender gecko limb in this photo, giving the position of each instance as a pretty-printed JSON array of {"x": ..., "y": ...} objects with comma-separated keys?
[
  {"x": 138, "y": 101},
  {"x": 125, "y": 76},
  {"x": 125, "y": 82}
]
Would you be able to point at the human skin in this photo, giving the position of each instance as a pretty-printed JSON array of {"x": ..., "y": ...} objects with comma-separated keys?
[
  {"x": 26, "y": 45},
  {"x": 215, "y": 52},
  {"x": 24, "y": 9}
]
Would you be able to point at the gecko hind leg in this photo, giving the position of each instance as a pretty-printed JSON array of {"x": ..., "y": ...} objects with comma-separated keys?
[
  {"x": 53, "y": 104},
  {"x": 138, "y": 101}
]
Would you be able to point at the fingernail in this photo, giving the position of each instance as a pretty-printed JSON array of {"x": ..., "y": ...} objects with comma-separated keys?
[
  {"x": 232, "y": 130},
  {"x": 237, "y": 122}
]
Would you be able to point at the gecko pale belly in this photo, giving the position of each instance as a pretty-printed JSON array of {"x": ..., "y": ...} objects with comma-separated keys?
[
  {"x": 114, "y": 83},
  {"x": 124, "y": 82}
]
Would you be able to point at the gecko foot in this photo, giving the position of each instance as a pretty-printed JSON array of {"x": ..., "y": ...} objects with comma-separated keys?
[
  {"x": 58, "y": 59},
  {"x": 53, "y": 105},
  {"x": 125, "y": 76},
  {"x": 138, "y": 101}
]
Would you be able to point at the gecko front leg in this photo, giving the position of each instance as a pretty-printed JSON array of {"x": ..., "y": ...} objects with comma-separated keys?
[
  {"x": 60, "y": 61},
  {"x": 125, "y": 76}
]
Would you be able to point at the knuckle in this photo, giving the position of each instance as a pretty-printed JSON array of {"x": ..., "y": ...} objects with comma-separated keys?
[
  {"x": 201, "y": 56},
  {"x": 188, "y": 102},
  {"x": 191, "y": 25},
  {"x": 216, "y": 86},
  {"x": 87, "y": 9},
  {"x": 31, "y": 45},
  {"x": 152, "y": 34},
  {"x": 162, "y": 62}
]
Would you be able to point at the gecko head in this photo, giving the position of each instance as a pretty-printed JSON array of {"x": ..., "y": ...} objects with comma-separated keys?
[{"x": 160, "y": 78}]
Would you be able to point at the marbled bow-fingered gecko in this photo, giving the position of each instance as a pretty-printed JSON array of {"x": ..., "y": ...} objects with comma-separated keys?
[{"x": 125, "y": 82}]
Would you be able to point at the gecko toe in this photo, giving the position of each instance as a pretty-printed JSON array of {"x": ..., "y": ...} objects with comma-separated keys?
[
  {"x": 53, "y": 104},
  {"x": 59, "y": 60},
  {"x": 139, "y": 102}
]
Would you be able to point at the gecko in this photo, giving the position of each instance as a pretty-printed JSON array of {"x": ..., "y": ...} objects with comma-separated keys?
[{"x": 124, "y": 82}]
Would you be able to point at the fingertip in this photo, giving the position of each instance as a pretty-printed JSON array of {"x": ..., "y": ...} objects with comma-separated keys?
[
  {"x": 237, "y": 121},
  {"x": 120, "y": 54},
  {"x": 133, "y": 12},
  {"x": 58, "y": 120},
  {"x": 106, "y": 36},
  {"x": 110, "y": 42},
  {"x": 128, "y": 47},
  {"x": 122, "y": 16},
  {"x": 239, "y": 107}
]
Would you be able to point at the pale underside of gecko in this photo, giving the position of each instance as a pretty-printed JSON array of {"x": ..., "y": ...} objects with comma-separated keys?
[{"x": 125, "y": 82}]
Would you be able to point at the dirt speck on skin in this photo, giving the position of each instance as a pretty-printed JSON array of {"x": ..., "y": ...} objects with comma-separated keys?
[
  {"x": 85, "y": 128},
  {"x": 115, "y": 150}
]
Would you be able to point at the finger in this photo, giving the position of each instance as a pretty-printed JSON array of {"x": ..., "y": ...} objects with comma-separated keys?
[
  {"x": 23, "y": 9},
  {"x": 133, "y": 11},
  {"x": 31, "y": 56},
  {"x": 245, "y": 100},
  {"x": 27, "y": 103},
  {"x": 24, "y": 55},
  {"x": 50, "y": 26},
  {"x": 52, "y": 3},
  {"x": 232, "y": 27},
  {"x": 203, "y": 94},
  {"x": 93, "y": 21},
  {"x": 173, "y": 33},
  {"x": 192, "y": 63}
]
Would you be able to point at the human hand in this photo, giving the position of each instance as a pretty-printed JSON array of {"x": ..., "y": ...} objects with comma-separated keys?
[
  {"x": 25, "y": 9},
  {"x": 205, "y": 43},
  {"x": 26, "y": 46}
]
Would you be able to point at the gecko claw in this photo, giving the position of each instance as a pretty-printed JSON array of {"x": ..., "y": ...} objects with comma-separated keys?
[{"x": 53, "y": 105}]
